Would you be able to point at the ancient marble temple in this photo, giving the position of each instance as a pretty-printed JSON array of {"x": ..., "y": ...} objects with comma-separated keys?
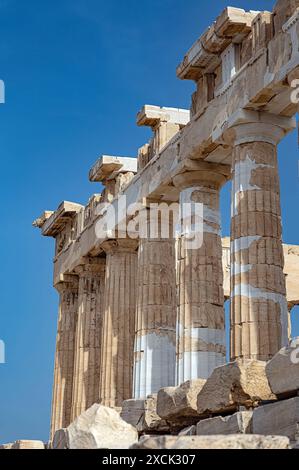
[{"x": 138, "y": 313}]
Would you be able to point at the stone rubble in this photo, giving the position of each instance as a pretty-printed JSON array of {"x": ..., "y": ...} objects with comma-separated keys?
[
  {"x": 238, "y": 383},
  {"x": 178, "y": 405},
  {"x": 283, "y": 370},
  {"x": 100, "y": 427},
  {"x": 142, "y": 414},
  {"x": 278, "y": 418}
]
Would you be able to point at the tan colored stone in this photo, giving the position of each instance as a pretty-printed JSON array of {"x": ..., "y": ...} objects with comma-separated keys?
[
  {"x": 155, "y": 328},
  {"x": 281, "y": 418},
  {"x": 200, "y": 329},
  {"x": 165, "y": 123},
  {"x": 234, "y": 441},
  {"x": 88, "y": 333},
  {"x": 178, "y": 405},
  {"x": 283, "y": 10},
  {"x": 65, "y": 354},
  {"x": 6, "y": 446},
  {"x": 24, "y": 444},
  {"x": 101, "y": 427},
  {"x": 262, "y": 31},
  {"x": 283, "y": 370},
  {"x": 117, "y": 340},
  {"x": 238, "y": 383},
  {"x": 259, "y": 315},
  {"x": 291, "y": 266},
  {"x": 142, "y": 414},
  {"x": 242, "y": 78},
  {"x": 291, "y": 269},
  {"x": 239, "y": 422}
]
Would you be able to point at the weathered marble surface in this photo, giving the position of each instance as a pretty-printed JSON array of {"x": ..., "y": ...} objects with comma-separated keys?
[
  {"x": 238, "y": 383},
  {"x": 234, "y": 441}
]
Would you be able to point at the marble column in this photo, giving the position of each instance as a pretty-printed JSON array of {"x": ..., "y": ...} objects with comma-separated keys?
[
  {"x": 154, "y": 354},
  {"x": 118, "y": 322},
  {"x": 200, "y": 324},
  {"x": 88, "y": 333},
  {"x": 64, "y": 357},
  {"x": 259, "y": 313}
]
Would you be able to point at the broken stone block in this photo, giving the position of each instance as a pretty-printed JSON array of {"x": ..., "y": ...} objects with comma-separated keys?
[
  {"x": 281, "y": 418},
  {"x": 26, "y": 444},
  {"x": 234, "y": 441},
  {"x": 239, "y": 422},
  {"x": 7, "y": 446},
  {"x": 189, "y": 431},
  {"x": 238, "y": 383},
  {"x": 283, "y": 369},
  {"x": 178, "y": 405},
  {"x": 142, "y": 414},
  {"x": 60, "y": 439},
  {"x": 100, "y": 427}
]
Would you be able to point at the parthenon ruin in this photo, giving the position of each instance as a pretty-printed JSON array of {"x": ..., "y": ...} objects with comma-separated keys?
[{"x": 140, "y": 313}]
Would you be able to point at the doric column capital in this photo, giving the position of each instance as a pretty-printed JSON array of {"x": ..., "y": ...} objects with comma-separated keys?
[
  {"x": 70, "y": 282},
  {"x": 257, "y": 132},
  {"x": 252, "y": 126},
  {"x": 121, "y": 245},
  {"x": 211, "y": 178},
  {"x": 91, "y": 267}
]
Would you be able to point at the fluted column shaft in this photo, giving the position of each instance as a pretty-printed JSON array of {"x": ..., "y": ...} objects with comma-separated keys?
[
  {"x": 259, "y": 314},
  {"x": 88, "y": 334},
  {"x": 118, "y": 322},
  {"x": 200, "y": 324},
  {"x": 154, "y": 354},
  {"x": 64, "y": 357}
]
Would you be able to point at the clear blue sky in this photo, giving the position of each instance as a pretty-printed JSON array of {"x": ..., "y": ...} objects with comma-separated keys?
[{"x": 76, "y": 73}]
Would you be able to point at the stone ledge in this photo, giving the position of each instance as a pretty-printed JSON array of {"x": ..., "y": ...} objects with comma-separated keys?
[
  {"x": 278, "y": 418},
  {"x": 107, "y": 167},
  {"x": 234, "y": 441},
  {"x": 178, "y": 405},
  {"x": 238, "y": 423}
]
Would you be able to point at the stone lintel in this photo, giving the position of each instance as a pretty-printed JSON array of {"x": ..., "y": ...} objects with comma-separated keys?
[
  {"x": 231, "y": 26},
  {"x": 54, "y": 223},
  {"x": 151, "y": 116},
  {"x": 107, "y": 167}
]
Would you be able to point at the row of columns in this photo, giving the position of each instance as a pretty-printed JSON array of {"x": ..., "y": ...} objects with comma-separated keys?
[{"x": 141, "y": 320}]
